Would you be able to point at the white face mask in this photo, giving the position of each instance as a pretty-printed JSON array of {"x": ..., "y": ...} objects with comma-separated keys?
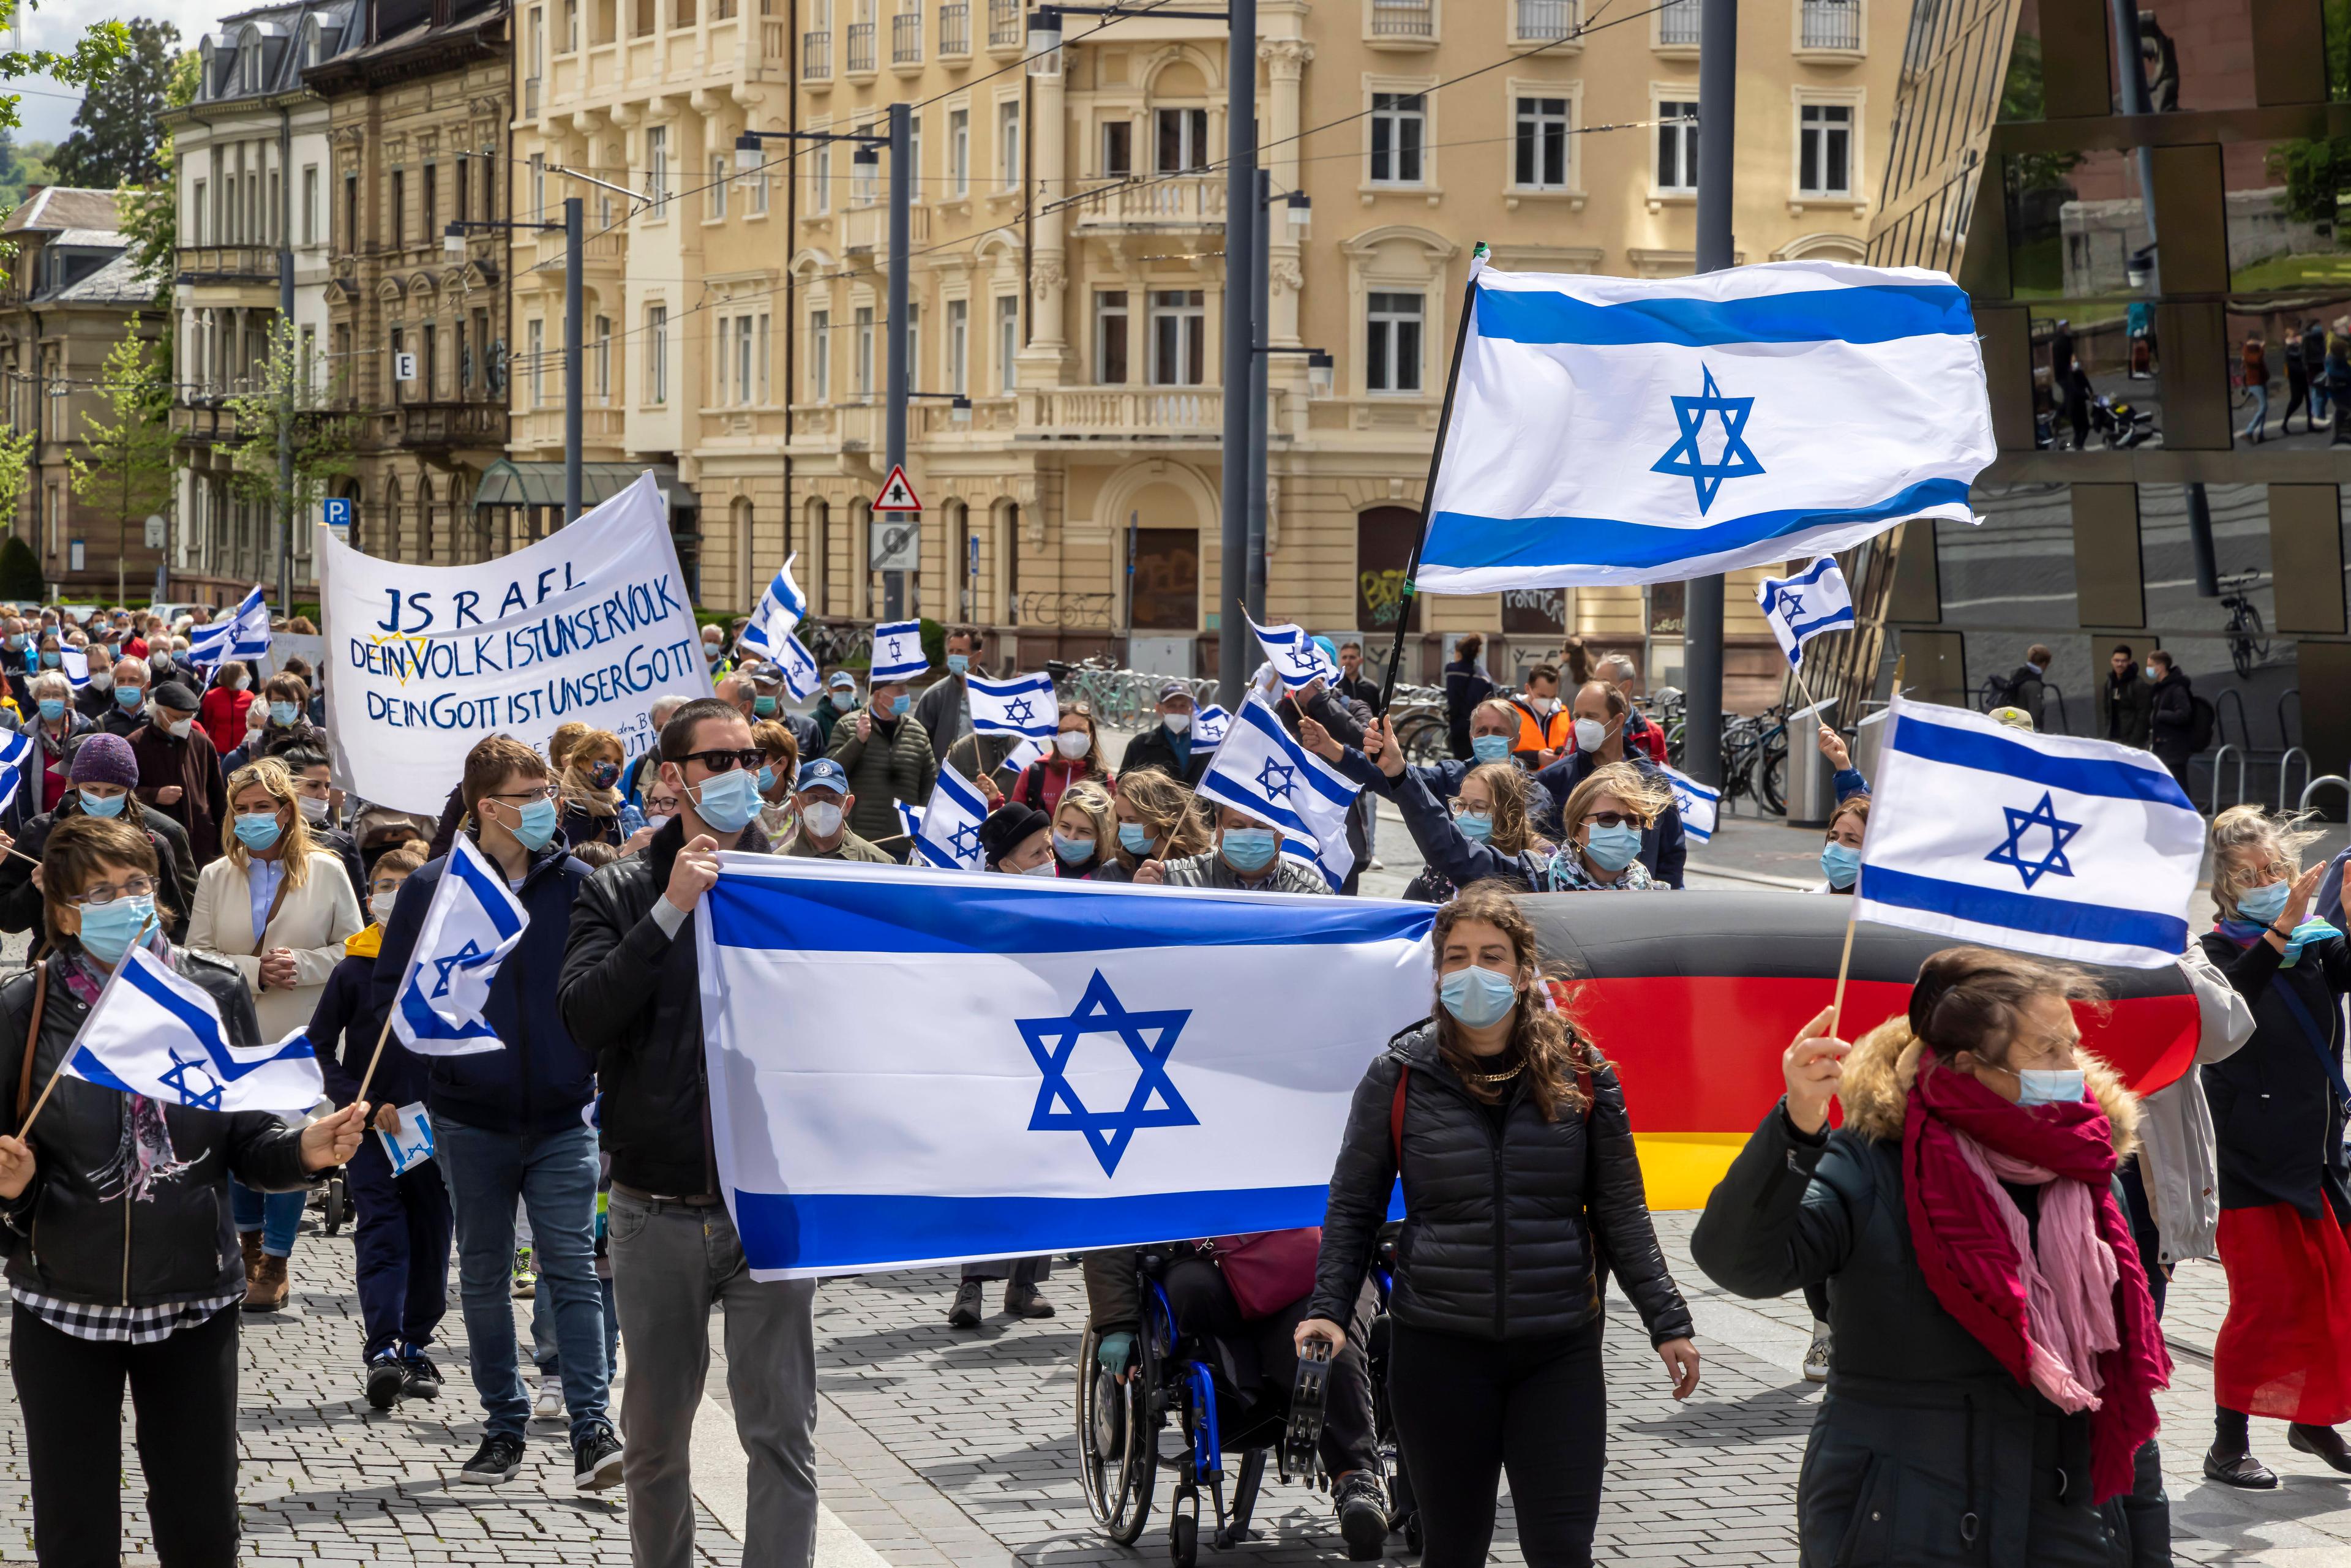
[
  {"x": 103, "y": 680},
  {"x": 380, "y": 904},
  {"x": 1043, "y": 868},
  {"x": 313, "y": 809},
  {"x": 1590, "y": 735},
  {"x": 823, "y": 819},
  {"x": 1177, "y": 723},
  {"x": 657, "y": 820},
  {"x": 1072, "y": 743},
  {"x": 177, "y": 728}
]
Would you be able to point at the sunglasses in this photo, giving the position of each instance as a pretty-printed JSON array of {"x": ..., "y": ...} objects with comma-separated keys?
[
  {"x": 1615, "y": 819},
  {"x": 726, "y": 761}
]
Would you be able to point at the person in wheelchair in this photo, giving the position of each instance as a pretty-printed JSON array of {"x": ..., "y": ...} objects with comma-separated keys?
[{"x": 1240, "y": 1300}]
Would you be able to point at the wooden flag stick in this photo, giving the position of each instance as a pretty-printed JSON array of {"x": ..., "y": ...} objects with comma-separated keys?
[
  {"x": 381, "y": 1035},
  {"x": 24, "y": 1128},
  {"x": 1844, "y": 963}
]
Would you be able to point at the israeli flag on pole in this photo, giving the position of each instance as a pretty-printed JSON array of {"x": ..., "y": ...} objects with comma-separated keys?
[
  {"x": 472, "y": 923},
  {"x": 898, "y": 652},
  {"x": 75, "y": 663},
  {"x": 1209, "y": 725},
  {"x": 780, "y": 608},
  {"x": 1261, "y": 770},
  {"x": 1800, "y": 607},
  {"x": 799, "y": 666},
  {"x": 948, "y": 834},
  {"x": 1698, "y": 803},
  {"x": 152, "y": 1033},
  {"x": 249, "y": 638},
  {"x": 1021, "y": 1065},
  {"x": 209, "y": 645},
  {"x": 1613, "y": 430},
  {"x": 910, "y": 818},
  {"x": 1030, "y": 751},
  {"x": 1294, "y": 656},
  {"x": 16, "y": 749},
  {"x": 1025, "y": 704},
  {"x": 2072, "y": 849}
]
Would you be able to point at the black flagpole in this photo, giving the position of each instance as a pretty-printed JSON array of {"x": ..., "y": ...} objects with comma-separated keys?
[{"x": 1428, "y": 495}]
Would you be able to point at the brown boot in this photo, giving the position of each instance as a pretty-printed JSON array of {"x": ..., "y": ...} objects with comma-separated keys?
[
  {"x": 269, "y": 1289},
  {"x": 251, "y": 1241}
]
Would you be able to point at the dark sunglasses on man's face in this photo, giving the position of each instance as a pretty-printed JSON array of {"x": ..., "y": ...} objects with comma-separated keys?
[{"x": 726, "y": 761}]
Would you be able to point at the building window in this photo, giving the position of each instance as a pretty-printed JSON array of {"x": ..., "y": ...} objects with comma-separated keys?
[
  {"x": 311, "y": 204},
  {"x": 1007, "y": 143},
  {"x": 464, "y": 358},
  {"x": 1392, "y": 344},
  {"x": 1117, "y": 149},
  {"x": 1824, "y": 149},
  {"x": 539, "y": 187},
  {"x": 743, "y": 360},
  {"x": 764, "y": 358},
  {"x": 1398, "y": 120},
  {"x": 657, "y": 353},
  {"x": 1008, "y": 343},
  {"x": 571, "y": 26},
  {"x": 820, "y": 356},
  {"x": 914, "y": 158},
  {"x": 1541, "y": 151},
  {"x": 657, "y": 163},
  {"x": 429, "y": 230},
  {"x": 310, "y": 357},
  {"x": 758, "y": 183},
  {"x": 1178, "y": 338},
  {"x": 821, "y": 179},
  {"x": 718, "y": 360},
  {"x": 1677, "y": 144},
  {"x": 398, "y": 208},
  {"x": 864, "y": 318},
  {"x": 430, "y": 369},
  {"x": 959, "y": 152},
  {"x": 534, "y": 342},
  {"x": 603, "y": 360},
  {"x": 719, "y": 178},
  {"x": 914, "y": 347},
  {"x": 1110, "y": 337},
  {"x": 958, "y": 346},
  {"x": 1181, "y": 140}
]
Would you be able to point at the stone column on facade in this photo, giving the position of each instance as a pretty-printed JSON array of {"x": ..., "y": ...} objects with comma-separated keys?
[
  {"x": 1285, "y": 66},
  {"x": 1043, "y": 361}
]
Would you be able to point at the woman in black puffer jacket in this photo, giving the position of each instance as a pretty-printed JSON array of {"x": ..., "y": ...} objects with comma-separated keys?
[{"x": 1518, "y": 1167}]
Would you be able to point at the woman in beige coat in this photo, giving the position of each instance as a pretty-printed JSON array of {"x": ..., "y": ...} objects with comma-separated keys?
[{"x": 278, "y": 908}]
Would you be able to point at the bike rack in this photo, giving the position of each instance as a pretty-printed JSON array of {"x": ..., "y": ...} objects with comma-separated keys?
[
  {"x": 2065, "y": 720},
  {"x": 2244, "y": 726},
  {"x": 2218, "y": 757},
  {"x": 2285, "y": 735},
  {"x": 2286, "y": 762},
  {"x": 2324, "y": 779}
]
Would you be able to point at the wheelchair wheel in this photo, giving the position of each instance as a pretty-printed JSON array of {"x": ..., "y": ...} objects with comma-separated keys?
[
  {"x": 1184, "y": 1540},
  {"x": 1118, "y": 1435}
]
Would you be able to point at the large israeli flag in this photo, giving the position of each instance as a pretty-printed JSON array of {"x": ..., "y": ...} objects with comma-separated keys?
[
  {"x": 948, "y": 834},
  {"x": 1611, "y": 430},
  {"x": 472, "y": 923},
  {"x": 1025, "y": 704},
  {"x": 1800, "y": 607},
  {"x": 1261, "y": 769},
  {"x": 152, "y": 1033},
  {"x": 2072, "y": 849},
  {"x": 1003, "y": 1066},
  {"x": 249, "y": 636}
]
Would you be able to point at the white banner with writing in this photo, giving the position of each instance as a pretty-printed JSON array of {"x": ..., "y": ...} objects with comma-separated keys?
[{"x": 592, "y": 623}]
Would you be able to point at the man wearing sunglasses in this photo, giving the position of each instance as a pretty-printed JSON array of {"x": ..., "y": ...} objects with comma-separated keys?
[
  {"x": 1600, "y": 711},
  {"x": 632, "y": 993}
]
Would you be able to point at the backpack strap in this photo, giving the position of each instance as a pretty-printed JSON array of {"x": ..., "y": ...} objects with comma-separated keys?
[{"x": 32, "y": 1041}]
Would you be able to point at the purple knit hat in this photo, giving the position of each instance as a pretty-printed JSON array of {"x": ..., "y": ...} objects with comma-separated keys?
[{"x": 104, "y": 758}]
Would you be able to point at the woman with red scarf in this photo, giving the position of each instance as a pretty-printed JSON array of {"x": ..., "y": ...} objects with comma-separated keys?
[
  {"x": 2284, "y": 1349},
  {"x": 1995, "y": 1355}
]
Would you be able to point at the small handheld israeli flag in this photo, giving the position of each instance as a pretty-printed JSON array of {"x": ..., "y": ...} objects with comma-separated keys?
[
  {"x": 1261, "y": 770},
  {"x": 1800, "y": 607},
  {"x": 151, "y": 1032},
  {"x": 2069, "y": 848},
  {"x": 798, "y": 665},
  {"x": 472, "y": 923},
  {"x": 75, "y": 663},
  {"x": 250, "y": 636},
  {"x": 780, "y": 608},
  {"x": 949, "y": 835},
  {"x": 1209, "y": 725},
  {"x": 898, "y": 652},
  {"x": 1294, "y": 656},
  {"x": 910, "y": 818},
  {"x": 1025, "y": 704},
  {"x": 1030, "y": 751},
  {"x": 209, "y": 645},
  {"x": 1698, "y": 803},
  {"x": 16, "y": 748}
]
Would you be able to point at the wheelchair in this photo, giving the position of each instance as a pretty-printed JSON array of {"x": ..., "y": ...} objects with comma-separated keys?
[{"x": 1123, "y": 1420}]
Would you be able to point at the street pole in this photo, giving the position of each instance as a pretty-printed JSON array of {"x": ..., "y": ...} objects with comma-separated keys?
[
  {"x": 574, "y": 209},
  {"x": 1717, "y": 107},
  {"x": 1260, "y": 332},
  {"x": 292, "y": 342},
  {"x": 1234, "y": 643},
  {"x": 893, "y": 582}
]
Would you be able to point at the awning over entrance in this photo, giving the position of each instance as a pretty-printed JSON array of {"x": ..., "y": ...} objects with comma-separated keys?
[{"x": 505, "y": 483}]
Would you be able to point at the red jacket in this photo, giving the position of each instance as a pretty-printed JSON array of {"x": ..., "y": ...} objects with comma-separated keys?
[
  {"x": 1041, "y": 783},
  {"x": 1649, "y": 738},
  {"x": 222, "y": 713}
]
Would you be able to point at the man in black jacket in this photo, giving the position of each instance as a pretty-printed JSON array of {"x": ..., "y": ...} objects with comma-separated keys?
[
  {"x": 2171, "y": 713},
  {"x": 1601, "y": 712},
  {"x": 1167, "y": 744},
  {"x": 126, "y": 705},
  {"x": 2126, "y": 701},
  {"x": 632, "y": 992}
]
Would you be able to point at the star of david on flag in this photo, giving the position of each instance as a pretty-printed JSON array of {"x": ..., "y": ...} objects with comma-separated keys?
[
  {"x": 1295, "y": 656},
  {"x": 1025, "y": 704},
  {"x": 1209, "y": 725},
  {"x": 1054, "y": 1040},
  {"x": 2014, "y": 850},
  {"x": 1699, "y": 803},
  {"x": 472, "y": 923},
  {"x": 159, "y": 1034},
  {"x": 898, "y": 652},
  {"x": 948, "y": 833},
  {"x": 1686, "y": 456},
  {"x": 1802, "y": 607}
]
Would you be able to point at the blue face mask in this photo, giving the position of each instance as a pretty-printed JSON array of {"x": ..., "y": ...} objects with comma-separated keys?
[
  {"x": 728, "y": 801},
  {"x": 1248, "y": 850},
  {"x": 536, "y": 828},
  {"x": 1612, "y": 848},
  {"x": 1073, "y": 852},
  {"x": 1134, "y": 837},
  {"x": 52, "y": 708},
  {"x": 2048, "y": 1086},
  {"x": 1476, "y": 826},
  {"x": 50, "y": 660},
  {"x": 1841, "y": 863},
  {"x": 101, "y": 805},
  {"x": 1490, "y": 748},
  {"x": 1478, "y": 997},
  {"x": 2263, "y": 903},
  {"x": 283, "y": 715},
  {"x": 958, "y": 663},
  {"x": 899, "y": 704},
  {"x": 107, "y": 930},
  {"x": 257, "y": 834},
  {"x": 767, "y": 780},
  {"x": 129, "y": 697},
  {"x": 764, "y": 706}
]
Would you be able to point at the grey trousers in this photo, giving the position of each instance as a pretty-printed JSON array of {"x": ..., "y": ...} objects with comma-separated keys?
[{"x": 670, "y": 1265}]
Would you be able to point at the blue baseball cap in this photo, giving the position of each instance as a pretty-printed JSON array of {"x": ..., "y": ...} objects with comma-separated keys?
[{"x": 824, "y": 773}]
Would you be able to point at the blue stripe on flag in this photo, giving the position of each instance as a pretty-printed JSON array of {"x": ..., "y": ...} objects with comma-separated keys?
[
  {"x": 85, "y": 1065},
  {"x": 495, "y": 900},
  {"x": 968, "y": 798},
  {"x": 1957, "y": 748},
  {"x": 1465, "y": 541},
  {"x": 2024, "y": 911},
  {"x": 202, "y": 1026},
  {"x": 847, "y": 1230},
  {"x": 1810, "y": 628},
  {"x": 1875, "y": 313},
  {"x": 984, "y": 915}
]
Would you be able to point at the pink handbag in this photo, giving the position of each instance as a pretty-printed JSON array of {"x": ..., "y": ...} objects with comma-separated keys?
[{"x": 1269, "y": 1269}]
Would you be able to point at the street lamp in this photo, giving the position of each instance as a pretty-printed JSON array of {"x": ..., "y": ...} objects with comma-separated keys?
[
  {"x": 1320, "y": 369},
  {"x": 573, "y": 229},
  {"x": 1301, "y": 214}
]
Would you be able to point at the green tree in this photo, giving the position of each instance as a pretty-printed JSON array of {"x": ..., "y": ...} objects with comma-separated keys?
[
  {"x": 115, "y": 139},
  {"x": 2023, "y": 96},
  {"x": 128, "y": 469},
  {"x": 292, "y": 396},
  {"x": 20, "y": 571},
  {"x": 24, "y": 164},
  {"x": 148, "y": 211},
  {"x": 92, "y": 60}
]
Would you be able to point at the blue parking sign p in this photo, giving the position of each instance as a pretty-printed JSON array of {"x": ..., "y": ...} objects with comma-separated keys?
[{"x": 338, "y": 511}]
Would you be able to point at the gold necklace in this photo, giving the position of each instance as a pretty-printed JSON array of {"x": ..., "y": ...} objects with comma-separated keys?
[{"x": 1502, "y": 1077}]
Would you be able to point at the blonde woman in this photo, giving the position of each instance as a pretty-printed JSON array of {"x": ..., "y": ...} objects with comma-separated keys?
[
  {"x": 1600, "y": 829},
  {"x": 778, "y": 774},
  {"x": 1156, "y": 819},
  {"x": 1085, "y": 835},
  {"x": 590, "y": 778},
  {"x": 278, "y": 908}
]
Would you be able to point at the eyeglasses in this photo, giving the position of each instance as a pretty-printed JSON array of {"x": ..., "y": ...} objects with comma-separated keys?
[
  {"x": 103, "y": 895},
  {"x": 386, "y": 884},
  {"x": 1460, "y": 806},
  {"x": 1615, "y": 819},
  {"x": 726, "y": 761},
  {"x": 545, "y": 792}
]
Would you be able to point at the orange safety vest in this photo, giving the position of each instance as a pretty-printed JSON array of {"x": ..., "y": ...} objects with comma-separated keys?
[{"x": 1542, "y": 734}]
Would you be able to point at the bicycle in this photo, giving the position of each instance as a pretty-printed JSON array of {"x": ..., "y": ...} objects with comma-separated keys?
[
  {"x": 2249, "y": 643},
  {"x": 1755, "y": 758}
]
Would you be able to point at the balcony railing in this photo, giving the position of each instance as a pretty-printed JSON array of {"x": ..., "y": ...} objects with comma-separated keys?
[
  {"x": 1007, "y": 30},
  {"x": 1545, "y": 21},
  {"x": 867, "y": 228},
  {"x": 530, "y": 98},
  {"x": 955, "y": 29},
  {"x": 1148, "y": 413},
  {"x": 816, "y": 55},
  {"x": 449, "y": 424},
  {"x": 1832, "y": 24},
  {"x": 227, "y": 264},
  {"x": 1402, "y": 18},
  {"x": 861, "y": 47},
  {"x": 1186, "y": 202},
  {"x": 906, "y": 38},
  {"x": 1678, "y": 23}
]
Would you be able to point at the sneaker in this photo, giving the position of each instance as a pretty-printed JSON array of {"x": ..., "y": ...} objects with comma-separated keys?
[
  {"x": 1023, "y": 1301},
  {"x": 548, "y": 1404},
  {"x": 1362, "y": 1515},
  {"x": 386, "y": 1380},
  {"x": 1376, "y": 864},
  {"x": 525, "y": 1281},
  {"x": 1816, "y": 1356},
  {"x": 424, "y": 1378},
  {"x": 499, "y": 1459},
  {"x": 965, "y": 1313},
  {"x": 596, "y": 1460}
]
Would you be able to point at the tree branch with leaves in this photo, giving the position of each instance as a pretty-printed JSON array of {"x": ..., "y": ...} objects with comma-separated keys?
[{"x": 290, "y": 395}]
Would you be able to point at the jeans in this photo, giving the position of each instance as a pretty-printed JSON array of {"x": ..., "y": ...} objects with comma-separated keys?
[
  {"x": 2260, "y": 415},
  {"x": 277, "y": 1215},
  {"x": 401, "y": 1248},
  {"x": 671, "y": 1264},
  {"x": 554, "y": 1175},
  {"x": 548, "y": 1355}
]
